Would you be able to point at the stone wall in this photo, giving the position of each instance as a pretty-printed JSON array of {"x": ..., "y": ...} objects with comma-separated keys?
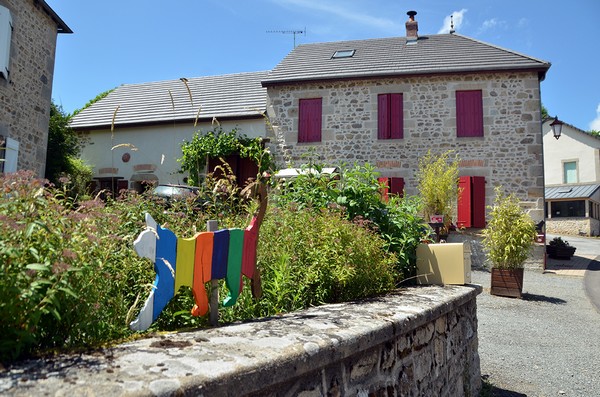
[
  {"x": 25, "y": 97},
  {"x": 509, "y": 154},
  {"x": 573, "y": 226},
  {"x": 418, "y": 341}
]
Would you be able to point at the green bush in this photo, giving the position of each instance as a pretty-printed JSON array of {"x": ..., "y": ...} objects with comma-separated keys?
[
  {"x": 356, "y": 193},
  {"x": 71, "y": 279},
  {"x": 310, "y": 258},
  {"x": 67, "y": 269},
  {"x": 510, "y": 233}
]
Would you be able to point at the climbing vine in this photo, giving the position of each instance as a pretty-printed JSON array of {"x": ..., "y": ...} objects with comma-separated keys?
[{"x": 218, "y": 143}]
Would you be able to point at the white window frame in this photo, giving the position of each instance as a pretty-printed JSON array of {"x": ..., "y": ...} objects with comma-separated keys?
[
  {"x": 5, "y": 38},
  {"x": 9, "y": 156}
]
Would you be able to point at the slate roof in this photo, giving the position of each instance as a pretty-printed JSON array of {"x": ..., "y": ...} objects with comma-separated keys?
[
  {"x": 227, "y": 96},
  {"x": 571, "y": 191},
  {"x": 433, "y": 54}
]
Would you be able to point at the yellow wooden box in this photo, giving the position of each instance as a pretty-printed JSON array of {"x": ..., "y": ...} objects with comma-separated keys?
[{"x": 446, "y": 263}]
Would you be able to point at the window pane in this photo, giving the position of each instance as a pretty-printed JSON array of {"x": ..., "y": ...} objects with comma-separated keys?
[
  {"x": 565, "y": 209},
  {"x": 570, "y": 172}
]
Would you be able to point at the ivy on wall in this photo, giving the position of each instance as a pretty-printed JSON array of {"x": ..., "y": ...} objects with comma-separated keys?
[{"x": 218, "y": 143}]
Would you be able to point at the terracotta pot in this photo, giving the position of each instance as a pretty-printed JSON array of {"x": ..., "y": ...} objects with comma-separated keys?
[{"x": 507, "y": 282}]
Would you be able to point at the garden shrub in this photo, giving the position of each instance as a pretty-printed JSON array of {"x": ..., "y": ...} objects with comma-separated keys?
[{"x": 310, "y": 258}]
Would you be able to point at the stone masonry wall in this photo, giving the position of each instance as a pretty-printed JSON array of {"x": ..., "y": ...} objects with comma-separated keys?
[
  {"x": 509, "y": 154},
  {"x": 418, "y": 341},
  {"x": 25, "y": 97},
  {"x": 573, "y": 226}
]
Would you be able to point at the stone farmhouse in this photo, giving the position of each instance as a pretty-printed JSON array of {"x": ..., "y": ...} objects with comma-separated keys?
[
  {"x": 572, "y": 179},
  {"x": 382, "y": 101},
  {"x": 28, "y": 33}
]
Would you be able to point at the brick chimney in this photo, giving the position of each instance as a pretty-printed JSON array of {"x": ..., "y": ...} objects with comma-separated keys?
[{"x": 412, "y": 27}]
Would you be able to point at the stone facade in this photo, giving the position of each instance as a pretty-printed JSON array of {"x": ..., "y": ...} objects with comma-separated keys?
[
  {"x": 25, "y": 97},
  {"x": 509, "y": 154},
  {"x": 418, "y": 341},
  {"x": 573, "y": 226}
]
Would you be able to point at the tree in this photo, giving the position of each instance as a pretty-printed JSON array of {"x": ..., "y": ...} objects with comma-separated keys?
[
  {"x": 62, "y": 144},
  {"x": 62, "y": 155},
  {"x": 544, "y": 113}
]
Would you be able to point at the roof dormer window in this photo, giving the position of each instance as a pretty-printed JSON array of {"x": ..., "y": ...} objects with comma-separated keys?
[{"x": 343, "y": 54}]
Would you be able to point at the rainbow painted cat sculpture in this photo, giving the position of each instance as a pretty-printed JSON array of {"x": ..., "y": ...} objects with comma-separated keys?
[{"x": 224, "y": 254}]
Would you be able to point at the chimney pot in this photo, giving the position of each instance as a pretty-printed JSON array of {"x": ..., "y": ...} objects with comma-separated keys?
[{"x": 412, "y": 26}]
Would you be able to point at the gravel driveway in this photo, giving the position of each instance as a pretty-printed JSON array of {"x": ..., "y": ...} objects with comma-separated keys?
[{"x": 547, "y": 344}]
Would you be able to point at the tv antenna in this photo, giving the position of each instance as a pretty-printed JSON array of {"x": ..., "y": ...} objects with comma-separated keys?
[{"x": 294, "y": 32}]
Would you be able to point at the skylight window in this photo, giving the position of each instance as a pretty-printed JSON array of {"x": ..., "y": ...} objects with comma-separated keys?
[{"x": 343, "y": 54}]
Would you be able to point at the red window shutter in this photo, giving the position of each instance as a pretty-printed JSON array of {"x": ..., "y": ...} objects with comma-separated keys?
[
  {"x": 396, "y": 116},
  {"x": 122, "y": 184},
  {"x": 397, "y": 186},
  {"x": 386, "y": 188},
  {"x": 390, "y": 116},
  {"x": 469, "y": 113},
  {"x": 309, "y": 120},
  {"x": 478, "y": 205},
  {"x": 464, "y": 202},
  {"x": 383, "y": 116}
]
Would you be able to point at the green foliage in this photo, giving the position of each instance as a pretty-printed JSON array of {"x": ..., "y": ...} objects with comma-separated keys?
[
  {"x": 310, "y": 258},
  {"x": 62, "y": 145},
  {"x": 69, "y": 274},
  {"x": 70, "y": 277},
  {"x": 545, "y": 114},
  {"x": 217, "y": 143},
  {"x": 594, "y": 133},
  {"x": 559, "y": 242},
  {"x": 437, "y": 179},
  {"x": 356, "y": 194},
  {"x": 510, "y": 233}
]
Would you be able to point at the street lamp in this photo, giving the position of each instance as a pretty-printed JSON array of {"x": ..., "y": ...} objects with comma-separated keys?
[{"x": 556, "y": 127}]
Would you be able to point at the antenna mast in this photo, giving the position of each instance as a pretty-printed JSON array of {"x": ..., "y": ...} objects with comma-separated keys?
[{"x": 294, "y": 32}]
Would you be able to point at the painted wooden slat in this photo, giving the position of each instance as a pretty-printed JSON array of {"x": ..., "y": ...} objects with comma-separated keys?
[
  {"x": 386, "y": 188},
  {"x": 166, "y": 266},
  {"x": 469, "y": 113},
  {"x": 186, "y": 255},
  {"x": 234, "y": 266},
  {"x": 478, "y": 198},
  {"x": 220, "y": 253},
  {"x": 396, "y": 116},
  {"x": 383, "y": 116},
  {"x": 397, "y": 186},
  {"x": 202, "y": 272},
  {"x": 310, "y": 120},
  {"x": 464, "y": 202},
  {"x": 249, "y": 249}
]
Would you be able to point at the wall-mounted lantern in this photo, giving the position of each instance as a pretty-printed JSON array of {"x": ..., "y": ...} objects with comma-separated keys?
[{"x": 556, "y": 127}]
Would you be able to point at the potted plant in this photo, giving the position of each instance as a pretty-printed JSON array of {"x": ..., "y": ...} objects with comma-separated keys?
[
  {"x": 560, "y": 249},
  {"x": 508, "y": 240},
  {"x": 437, "y": 181}
]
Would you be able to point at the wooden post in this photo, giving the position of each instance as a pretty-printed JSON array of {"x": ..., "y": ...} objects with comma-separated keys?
[{"x": 213, "y": 302}]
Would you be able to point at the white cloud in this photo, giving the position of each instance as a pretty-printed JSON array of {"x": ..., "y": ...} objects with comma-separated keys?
[
  {"x": 595, "y": 124},
  {"x": 457, "y": 19},
  {"x": 491, "y": 24},
  {"x": 341, "y": 10}
]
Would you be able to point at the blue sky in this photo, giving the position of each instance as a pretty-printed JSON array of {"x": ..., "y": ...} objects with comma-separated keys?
[{"x": 133, "y": 41}]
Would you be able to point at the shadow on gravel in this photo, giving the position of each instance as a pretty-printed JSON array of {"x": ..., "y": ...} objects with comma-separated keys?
[
  {"x": 542, "y": 298},
  {"x": 496, "y": 392}
]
